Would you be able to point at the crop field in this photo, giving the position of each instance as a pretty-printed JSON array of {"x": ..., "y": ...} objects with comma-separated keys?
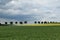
[{"x": 14, "y": 32}]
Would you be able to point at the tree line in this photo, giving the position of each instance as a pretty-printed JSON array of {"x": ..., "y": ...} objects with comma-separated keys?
[{"x": 35, "y": 22}]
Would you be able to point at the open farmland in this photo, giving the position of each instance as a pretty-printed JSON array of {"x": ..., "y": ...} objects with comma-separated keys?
[{"x": 12, "y": 32}]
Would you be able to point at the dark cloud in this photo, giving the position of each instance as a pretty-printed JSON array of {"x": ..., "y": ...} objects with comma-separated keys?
[
  {"x": 48, "y": 9},
  {"x": 3, "y": 2}
]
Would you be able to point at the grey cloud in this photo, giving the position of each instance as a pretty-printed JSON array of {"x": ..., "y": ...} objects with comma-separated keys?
[
  {"x": 2, "y": 2},
  {"x": 47, "y": 8}
]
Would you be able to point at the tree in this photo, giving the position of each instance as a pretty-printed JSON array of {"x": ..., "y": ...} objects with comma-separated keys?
[
  {"x": 35, "y": 22},
  {"x": 16, "y": 22},
  {"x": 21, "y": 22},
  {"x": 42, "y": 22},
  {"x": 48, "y": 22},
  {"x": 25, "y": 22},
  {"x": 11, "y": 22},
  {"x": 51, "y": 22},
  {"x": 0, "y": 23},
  {"x": 6, "y": 23},
  {"x": 45, "y": 22},
  {"x": 38, "y": 22}
]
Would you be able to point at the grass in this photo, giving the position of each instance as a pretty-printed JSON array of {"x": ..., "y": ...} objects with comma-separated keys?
[
  {"x": 30, "y": 32},
  {"x": 37, "y": 25}
]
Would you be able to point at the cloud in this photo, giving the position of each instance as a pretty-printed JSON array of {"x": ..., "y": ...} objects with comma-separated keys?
[
  {"x": 30, "y": 6},
  {"x": 49, "y": 9},
  {"x": 3, "y": 2}
]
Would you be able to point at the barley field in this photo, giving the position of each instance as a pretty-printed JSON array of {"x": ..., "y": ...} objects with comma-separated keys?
[{"x": 14, "y": 32}]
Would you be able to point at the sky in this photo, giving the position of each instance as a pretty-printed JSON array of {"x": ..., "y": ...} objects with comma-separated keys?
[{"x": 30, "y": 10}]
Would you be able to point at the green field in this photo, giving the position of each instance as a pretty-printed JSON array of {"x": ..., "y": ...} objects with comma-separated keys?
[{"x": 30, "y": 32}]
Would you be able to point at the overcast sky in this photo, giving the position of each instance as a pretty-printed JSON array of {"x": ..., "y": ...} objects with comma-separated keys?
[{"x": 43, "y": 10}]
